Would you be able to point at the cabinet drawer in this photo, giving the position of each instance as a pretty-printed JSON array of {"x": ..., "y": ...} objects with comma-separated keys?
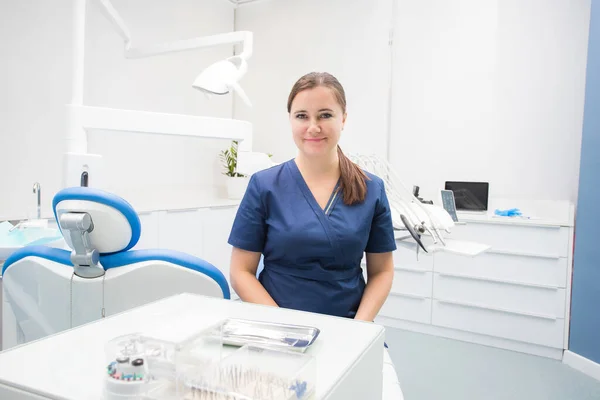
[
  {"x": 506, "y": 267},
  {"x": 181, "y": 230},
  {"x": 216, "y": 227},
  {"x": 149, "y": 231},
  {"x": 530, "y": 300},
  {"x": 411, "y": 308},
  {"x": 405, "y": 256},
  {"x": 549, "y": 241},
  {"x": 542, "y": 331},
  {"x": 412, "y": 282}
]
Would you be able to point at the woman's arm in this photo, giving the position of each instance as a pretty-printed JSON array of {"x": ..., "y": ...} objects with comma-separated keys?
[
  {"x": 380, "y": 274},
  {"x": 243, "y": 277}
]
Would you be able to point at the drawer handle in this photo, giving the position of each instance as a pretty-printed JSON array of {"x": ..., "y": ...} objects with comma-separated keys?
[
  {"x": 415, "y": 270},
  {"x": 506, "y": 282},
  {"x": 412, "y": 296},
  {"x": 500, "y": 310},
  {"x": 522, "y": 254},
  {"x": 181, "y": 210},
  {"x": 525, "y": 223},
  {"x": 223, "y": 207}
]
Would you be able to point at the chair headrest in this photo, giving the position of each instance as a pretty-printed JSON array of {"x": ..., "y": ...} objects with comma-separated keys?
[{"x": 116, "y": 224}]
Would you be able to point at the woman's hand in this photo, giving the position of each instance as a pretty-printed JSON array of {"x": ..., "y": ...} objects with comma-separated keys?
[
  {"x": 380, "y": 274},
  {"x": 243, "y": 277}
]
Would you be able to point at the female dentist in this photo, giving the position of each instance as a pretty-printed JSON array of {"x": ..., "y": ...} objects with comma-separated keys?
[{"x": 312, "y": 218}]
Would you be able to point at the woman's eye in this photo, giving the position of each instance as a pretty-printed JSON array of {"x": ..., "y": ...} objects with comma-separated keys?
[
  {"x": 301, "y": 116},
  {"x": 326, "y": 115}
]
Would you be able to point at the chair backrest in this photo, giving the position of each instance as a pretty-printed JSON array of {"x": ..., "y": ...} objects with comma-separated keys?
[{"x": 48, "y": 290}]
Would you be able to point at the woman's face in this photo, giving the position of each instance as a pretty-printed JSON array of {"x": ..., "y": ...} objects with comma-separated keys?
[{"x": 317, "y": 121}]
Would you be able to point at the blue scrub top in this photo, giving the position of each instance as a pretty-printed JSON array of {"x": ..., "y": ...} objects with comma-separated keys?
[{"x": 312, "y": 256}]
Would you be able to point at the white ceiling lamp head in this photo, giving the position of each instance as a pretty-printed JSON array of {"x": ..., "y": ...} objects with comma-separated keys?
[{"x": 222, "y": 78}]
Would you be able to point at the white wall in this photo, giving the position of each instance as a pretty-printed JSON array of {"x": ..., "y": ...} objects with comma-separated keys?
[
  {"x": 348, "y": 38},
  {"x": 144, "y": 167},
  {"x": 34, "y": 75},
  {"x": 482, "y": 89},
  {"x": 486, "y": 90},
  {"x": 490, "y": 90},
  {"x": 36, "y": 66}
]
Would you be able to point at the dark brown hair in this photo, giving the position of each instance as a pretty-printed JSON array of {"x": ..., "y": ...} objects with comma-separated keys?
[{"x": 353, "y": 178}]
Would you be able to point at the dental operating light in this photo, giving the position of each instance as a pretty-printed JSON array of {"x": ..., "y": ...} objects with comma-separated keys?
[
  {"x": 80, "y": 167},
  {"x": 222, "y": 77},
  {"x": 219, "y": 78}
]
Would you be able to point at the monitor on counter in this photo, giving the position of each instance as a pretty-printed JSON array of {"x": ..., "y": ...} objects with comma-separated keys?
[{"x": 469, "y": 196}]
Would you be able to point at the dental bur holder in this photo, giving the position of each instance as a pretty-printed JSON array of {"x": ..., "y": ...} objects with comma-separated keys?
[{"x": 140, "y": 367}]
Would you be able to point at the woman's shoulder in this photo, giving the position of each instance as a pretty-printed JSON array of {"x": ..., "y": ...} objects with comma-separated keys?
[{"x": 268, "y": 176}]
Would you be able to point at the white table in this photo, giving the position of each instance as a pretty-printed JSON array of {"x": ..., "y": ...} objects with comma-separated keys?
[{"x": 71, "y": 364}]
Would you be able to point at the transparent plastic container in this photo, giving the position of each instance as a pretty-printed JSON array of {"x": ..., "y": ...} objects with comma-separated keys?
[
  {"x": 146, "y": 368},
  {"x": 254, "y": 373}
]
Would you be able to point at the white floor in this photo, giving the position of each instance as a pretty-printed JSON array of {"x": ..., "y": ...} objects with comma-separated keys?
[{"x": 430, "y": 368}]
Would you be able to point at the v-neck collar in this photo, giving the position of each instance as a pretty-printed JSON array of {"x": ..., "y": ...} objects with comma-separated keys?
[{"x": 333, "y": 197}]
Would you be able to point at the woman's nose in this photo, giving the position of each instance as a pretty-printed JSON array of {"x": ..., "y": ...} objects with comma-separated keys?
[{"x": 313, "y": 128}]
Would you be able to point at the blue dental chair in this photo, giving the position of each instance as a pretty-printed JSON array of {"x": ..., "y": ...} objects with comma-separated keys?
[{"x": 48, "y": 290}]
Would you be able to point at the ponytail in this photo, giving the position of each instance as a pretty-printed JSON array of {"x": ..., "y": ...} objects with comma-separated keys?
[{"x": 354, "y": 185}]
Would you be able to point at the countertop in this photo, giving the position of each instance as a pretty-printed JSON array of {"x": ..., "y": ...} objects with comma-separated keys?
[
  {"x": 156, "y": 199},
  {"x": 535, "y": 213}
]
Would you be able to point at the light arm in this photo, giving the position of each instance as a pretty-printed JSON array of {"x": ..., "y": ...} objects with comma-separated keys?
[
  {"x": 119, "y": 25},
  {"x": 115, "y": 19},
  {"x": 194, "y": 43}
]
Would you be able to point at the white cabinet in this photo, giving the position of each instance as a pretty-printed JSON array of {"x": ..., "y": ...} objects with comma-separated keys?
[
  {"x": 534, "y": 301},
  {"x": 514, "y": 296},
  {"x": 413, "y": 282},
  {"x": 534, "y": 330},
  {"x": 519, "y": 239},
  {"x": 505, "y": 267},
  {"x": 149, "y": 231},
  {"x": 406, "y": 307},
  {"x": 217, "y": 223},
  {"x": 201, "y": 232},
  {"x": 406, "y": 256},
  {"x": 411, "y": 293},
  {"x": 182, "y": 230}
]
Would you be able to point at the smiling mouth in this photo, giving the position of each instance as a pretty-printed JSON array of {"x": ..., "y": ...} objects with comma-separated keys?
[{"x": 314, "y": 140}]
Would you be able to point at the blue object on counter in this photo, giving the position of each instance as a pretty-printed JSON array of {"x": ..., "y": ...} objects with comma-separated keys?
[{"x": 512, "y": 212}]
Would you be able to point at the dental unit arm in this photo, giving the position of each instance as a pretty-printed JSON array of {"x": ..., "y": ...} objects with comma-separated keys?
[
  {"x": 76, "y": 226},
  {"x": 410, "y": 214}
]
